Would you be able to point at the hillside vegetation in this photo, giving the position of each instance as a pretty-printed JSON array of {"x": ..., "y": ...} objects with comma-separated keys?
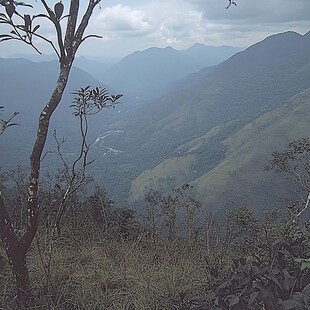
[
  {"x": 109, "y": 258},
  {"x": 198, "y": 200},
  {"x": 231, "y": 121},
  {"x": 213, "y": 129}
]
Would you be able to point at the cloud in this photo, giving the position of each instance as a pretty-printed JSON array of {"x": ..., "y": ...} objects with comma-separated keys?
[
  {"x": 181, "y": 23},
  {"x": 162, "y": 22},
  {"x": 271, "y": 11},
  {"x": 140, "y": 24},
  {"x": 123, "y": 20},
  {"x": 250, "y": 21},
  {"x": 178, "y": 26},
  {"x": 127, "y": 26}
]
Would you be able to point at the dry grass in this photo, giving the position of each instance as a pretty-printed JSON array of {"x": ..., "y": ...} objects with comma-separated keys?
[{"x": 111, "y": 274}]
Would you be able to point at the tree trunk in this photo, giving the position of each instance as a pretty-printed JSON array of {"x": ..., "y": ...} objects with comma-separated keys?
[
  {"x": 16, "y": 247},
  {"x": 23, "y": 288},
  {"x": 16, "y": 253}
]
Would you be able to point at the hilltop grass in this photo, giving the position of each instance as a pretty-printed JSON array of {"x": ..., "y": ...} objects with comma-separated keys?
[
  {"x": 247, "y": 151},
  {"x": 167, "y": 174},
  {"x": 87, "y": 269},
  {"x": 110, "y": 274}
]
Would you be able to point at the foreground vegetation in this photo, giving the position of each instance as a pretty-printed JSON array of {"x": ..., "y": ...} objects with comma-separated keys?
[
  {"x": 170, "y": 256},
  {"x": 106, "y": 258},
  {"x": 100, "y": 274}
]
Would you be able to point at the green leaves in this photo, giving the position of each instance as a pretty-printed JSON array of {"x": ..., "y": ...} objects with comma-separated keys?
[
  {"x": 232, "y": 300},
  {"x": 36, "y": 28},
  {"x": 5, "y": 37},
  {"x": 89, "y": 101},
  {"x": 21, "y": 24},
  {"x": 10, "y": 7},
  {"x": 28, "y": 21},
  {"x": 305, "y": 263},
  {"x": 274, "y": 275}
]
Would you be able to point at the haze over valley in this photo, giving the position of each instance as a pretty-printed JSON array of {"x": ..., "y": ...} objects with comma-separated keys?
[
  {"x": 207, "y": 116},
  {"x": 155, "y": 155}
]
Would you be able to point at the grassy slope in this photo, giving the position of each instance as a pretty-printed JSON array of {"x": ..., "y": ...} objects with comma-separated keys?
[
  {"x": 176, "y": 170},
  {"x": 171, "y": 172},
  {"x": 240, "y": 176}
]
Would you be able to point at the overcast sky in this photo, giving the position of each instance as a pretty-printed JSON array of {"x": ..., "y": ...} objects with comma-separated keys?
[{"x": 127, "y": 26}]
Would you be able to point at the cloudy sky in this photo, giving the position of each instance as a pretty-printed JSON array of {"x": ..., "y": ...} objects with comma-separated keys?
[{"x": 127, "y": 26}]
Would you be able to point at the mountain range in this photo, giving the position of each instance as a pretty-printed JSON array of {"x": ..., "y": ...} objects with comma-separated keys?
[
  {"x": 190, "y": 134},
  {"x": 136, "y": 74},
  {"x": 214, "y": 127}
]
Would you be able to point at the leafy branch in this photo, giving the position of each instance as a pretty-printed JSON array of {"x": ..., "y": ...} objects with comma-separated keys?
[
  {"x": 25, "y": 28},
  {"x": 87, "y": 102},
  {"x": 4, "y": 124}
]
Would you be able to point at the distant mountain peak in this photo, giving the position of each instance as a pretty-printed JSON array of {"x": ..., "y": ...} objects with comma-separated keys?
[
  {"x": 169, "y": 48},
  {"x": 209, "y": 47},
  {"x": 274, "y": 47},
  {"x": 197, "y": 44},
  {"x": 284, "y": 36},
  {"x": 307, "y": 35}
]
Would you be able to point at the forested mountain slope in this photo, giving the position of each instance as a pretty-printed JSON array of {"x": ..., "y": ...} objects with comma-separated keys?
[
  {"x": 269, "y": 80},
  {"x": 215, "y": 128},
  {"x": 148, "y": 74},
  {"x": 238, "y": 177}
]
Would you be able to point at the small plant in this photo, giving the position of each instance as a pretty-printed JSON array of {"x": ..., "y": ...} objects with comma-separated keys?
[
  {"x": 4, "y": 124},
  {"x": 258, "y": 282}
]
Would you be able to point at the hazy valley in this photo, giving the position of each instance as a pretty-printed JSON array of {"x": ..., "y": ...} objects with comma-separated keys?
[
  {"x": 165, "y": 180},
  {"x": 197, "y": 116}
]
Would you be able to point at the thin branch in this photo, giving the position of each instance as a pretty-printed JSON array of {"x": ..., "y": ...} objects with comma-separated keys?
[
  {"x": 45, "y": 154},
  {"x": 78, "y": 36},
  {"x": 48, "y": 41},
  {"x": 91, "y": 36},
  {"x": 58, "y": 29},
  {"x": 305, "y": 207}
]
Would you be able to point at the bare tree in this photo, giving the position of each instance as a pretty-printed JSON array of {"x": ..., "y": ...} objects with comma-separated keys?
[
  {"x": 191, "y": 207},
  {"x": 70, "y": 34}
]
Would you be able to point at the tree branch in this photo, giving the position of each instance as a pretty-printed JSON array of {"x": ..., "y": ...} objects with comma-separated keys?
[
  {"x": 71, "y": 26},
  {"x": 78, "y": 37},
  {"x": 58, "y": 29}
]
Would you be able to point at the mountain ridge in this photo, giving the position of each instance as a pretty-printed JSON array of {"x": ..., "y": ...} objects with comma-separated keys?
[
  {"x": 247, "y": 104},
  {"x": 211, "y": 129}
]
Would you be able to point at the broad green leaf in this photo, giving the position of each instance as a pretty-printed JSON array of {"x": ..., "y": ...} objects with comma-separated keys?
[
  {"x": 305, "y": 262},
  {"x": 233, "y": 300}
]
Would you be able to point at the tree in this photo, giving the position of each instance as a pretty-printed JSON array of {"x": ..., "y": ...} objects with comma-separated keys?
[
  {"x": 294, "y": 164},
  {"x": 164, "y": 212},
  {"x": 70, "y": 34}
]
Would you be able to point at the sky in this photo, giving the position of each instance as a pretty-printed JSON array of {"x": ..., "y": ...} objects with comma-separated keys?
[{"x": 128, "y": 26}]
